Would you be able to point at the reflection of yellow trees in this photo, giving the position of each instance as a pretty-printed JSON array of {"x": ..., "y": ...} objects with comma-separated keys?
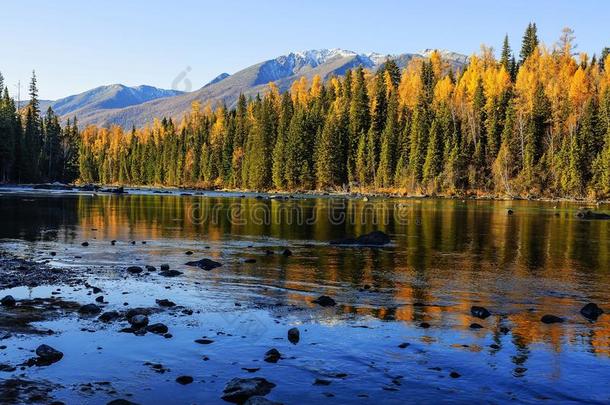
[{"x": 446, "y": 256}]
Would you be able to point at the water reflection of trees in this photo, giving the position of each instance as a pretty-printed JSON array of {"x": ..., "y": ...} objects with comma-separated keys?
[{"x": 447, "y": 256}]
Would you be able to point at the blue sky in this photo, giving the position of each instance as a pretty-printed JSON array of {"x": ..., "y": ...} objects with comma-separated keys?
[{"x": 77, "y": 45}]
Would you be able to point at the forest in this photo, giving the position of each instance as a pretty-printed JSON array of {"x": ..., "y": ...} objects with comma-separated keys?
[{"x": 536, "y": 124}]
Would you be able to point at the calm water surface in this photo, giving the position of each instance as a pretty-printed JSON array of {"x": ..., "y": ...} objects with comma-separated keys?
[{"x": 446, "y": 256}]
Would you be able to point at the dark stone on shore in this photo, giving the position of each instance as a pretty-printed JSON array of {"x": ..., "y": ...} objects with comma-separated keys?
[
  {"x": 548, "y": 319},
  {"x": 134, "y": 269},
  {"x": 89, "y": 309},
  {"x": 591, "y": 311},
  {"x": 286, "y": 252},
  {"x": 166, "y": 303},
  {"x": 475, "y": 325},
  {"x": 164, "y": 267},
  {"x": 109, "y": 316},
  {"x": 239, "y": 390},
  {"x": 325, "y": 301},
  {"x": 204, "y": 341},
  {"x": 138, "y": 321},
  {"x": 455, "y": 374},
  {"x": 375, "y": 238},
  {"x": 150, "y": 268},
  {"x": 47, "y": 355},
  {"x": 184, "y": 379},
  {"x": 85, "y": 244},
  {"x": 272, "y": 356},
  {"x": 170, "y": 273},
  {"x": 588, "y": 214},
  {"x": 479, "y": 312},
  {"x": 205, "y": 264},
  {"x": 157, "y": 328},
  {"x": 8, "y": 301},
  {"x": 294, "y": 335},
  {"x": 250, "y": 261}
]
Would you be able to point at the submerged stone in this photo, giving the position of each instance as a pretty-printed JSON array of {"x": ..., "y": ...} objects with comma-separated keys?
[{"x": 375, "y": 238}]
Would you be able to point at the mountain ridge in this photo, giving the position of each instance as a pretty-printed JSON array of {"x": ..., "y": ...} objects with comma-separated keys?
[{"x": 252, "y": 80}]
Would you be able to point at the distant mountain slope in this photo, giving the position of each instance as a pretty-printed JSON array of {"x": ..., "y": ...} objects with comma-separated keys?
[
  {"x": 283, "y": 70},
  {"x": 103, "y": 98}
]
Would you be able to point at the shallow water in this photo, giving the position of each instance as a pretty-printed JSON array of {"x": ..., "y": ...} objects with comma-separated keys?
[{"x": 445, "y": 256}]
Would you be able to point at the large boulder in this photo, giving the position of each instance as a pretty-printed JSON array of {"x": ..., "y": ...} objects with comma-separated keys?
[
  {"x": 375, "y": 238},
  {"x": 239, "y": 390}
]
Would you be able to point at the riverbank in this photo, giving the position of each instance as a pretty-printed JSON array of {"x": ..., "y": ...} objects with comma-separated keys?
[{"x": 275, "y": 194}]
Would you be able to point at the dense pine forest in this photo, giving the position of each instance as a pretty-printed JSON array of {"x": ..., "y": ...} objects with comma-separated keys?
[{"x": 533, "y": 124}]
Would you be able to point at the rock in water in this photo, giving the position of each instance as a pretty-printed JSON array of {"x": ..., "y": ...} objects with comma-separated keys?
[
  {"x": 85, "y": 244},
  {"x": 150, "y": 268},
  {"x": 375, "y": 238},
  {"x": 272, "y": 356},
  {"x": 205, "y": 264},
  {"x": 138, "y": 321},
  {"x": 164, "y": 267},
  {"x": 239, "y": 390},
  {"x": 551, "y": 319},
  {"x": 479, "y": 312},
  {"x": 134, "y": 269},
  {"x": 325, "y": 301},
  {"x": 184, "y": 379},
  {"x": 166, "y": 303},
  {"x": 286, "y": 252},
  {"x": 109, "y": 316},
  {"x": 591, "y": 311},
  {"x": 8, "y": 301},
  {"x": 170, "y": 273},
  {"x": 294, "y": 336},
  {"x": 89, "y": 309},
  {"x": 157, "y": 328},
  {"x": 47, "y": 355}
]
